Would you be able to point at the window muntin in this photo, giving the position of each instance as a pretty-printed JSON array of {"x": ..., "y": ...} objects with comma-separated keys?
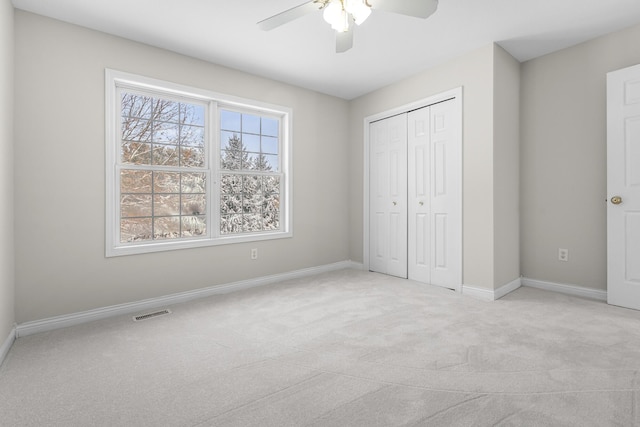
[{"x": 172, "y": 181}]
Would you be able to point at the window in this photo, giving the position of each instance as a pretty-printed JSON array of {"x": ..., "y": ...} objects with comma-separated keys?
[
  {"x": 188, "y": 168},
  {"x": 163, "y": 174},
  {"x": 250, "y": 181}
]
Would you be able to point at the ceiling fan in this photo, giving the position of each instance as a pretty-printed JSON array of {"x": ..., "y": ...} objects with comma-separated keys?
[{"x": 342, "y": 14}]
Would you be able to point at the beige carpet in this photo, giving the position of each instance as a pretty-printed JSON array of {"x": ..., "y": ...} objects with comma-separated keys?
[{"x": 348, "y": 348}]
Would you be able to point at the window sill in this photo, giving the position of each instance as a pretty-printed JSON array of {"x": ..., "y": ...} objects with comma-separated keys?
[{"x": 162, "y": 246}]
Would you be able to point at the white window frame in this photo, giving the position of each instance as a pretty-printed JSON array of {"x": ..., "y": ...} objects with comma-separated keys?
[{"x": 116, "y": 80}]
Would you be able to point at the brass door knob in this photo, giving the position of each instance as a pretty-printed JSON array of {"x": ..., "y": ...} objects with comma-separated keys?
[{"x": 616, "y": 200}]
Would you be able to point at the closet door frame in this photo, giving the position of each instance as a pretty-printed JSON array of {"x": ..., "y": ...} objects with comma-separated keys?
[{"x": 453, "y": 94}]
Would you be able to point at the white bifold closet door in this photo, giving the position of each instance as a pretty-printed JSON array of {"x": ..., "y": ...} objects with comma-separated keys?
[
  {"x": 388, "y": 196},
  {"x": 423, "y": 224},
  {"x": 434, "y": 196}
]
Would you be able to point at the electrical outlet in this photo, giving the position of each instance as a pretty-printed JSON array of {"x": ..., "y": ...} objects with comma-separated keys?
[
  {"x": 254, "y": 253},
  {"x": 563, "y": 254}
]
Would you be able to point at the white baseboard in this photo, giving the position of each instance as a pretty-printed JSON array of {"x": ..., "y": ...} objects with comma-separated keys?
[
  {"x": 6, "y": 345},
  {"x": 478, "y": 293},
  {"x": 566, "y": 289},
  {"x": 489, "y": 295},
  {"x": 57, "y": 322},
  {"x": 508, "y": 288}
]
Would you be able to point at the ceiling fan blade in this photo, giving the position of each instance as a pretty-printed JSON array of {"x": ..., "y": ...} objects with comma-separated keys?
[
  {"x": 344, "y": 41},
  {"x": 288, "y": 15},
  {"x": 418, "y": 8}
]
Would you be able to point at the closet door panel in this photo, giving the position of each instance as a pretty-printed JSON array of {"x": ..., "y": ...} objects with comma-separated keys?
[
  {"x": 419, "y": 180},
  {"x": 446, "y": 190},
  {"x": 397, "y": 197},
  {"x": 378, "y": 216},
  {"x": 388, "y": 196},
  {"x": 420, "y": 252},
  {"x": 440, "y": 242}
]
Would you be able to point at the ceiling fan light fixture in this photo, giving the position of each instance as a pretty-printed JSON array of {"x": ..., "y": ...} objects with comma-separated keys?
[
  {"x": 340, "y": 14},
  {"x": 335, "y": 14},
  {"x": 359, "y": 9}
]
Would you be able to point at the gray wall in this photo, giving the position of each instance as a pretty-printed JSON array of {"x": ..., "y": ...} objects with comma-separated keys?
[
  {"x": 563, "y": 158},
  {"x": 59, "y": 179},
  {"x": 506, "y": 167},
  {"x": 7, "y": 317}
]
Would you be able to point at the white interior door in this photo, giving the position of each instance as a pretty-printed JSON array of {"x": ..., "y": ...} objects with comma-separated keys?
[
  {"x": 623, "y": 187},
  {"x": 435, "y": 196},
  {"x": 388, "y": 196}
]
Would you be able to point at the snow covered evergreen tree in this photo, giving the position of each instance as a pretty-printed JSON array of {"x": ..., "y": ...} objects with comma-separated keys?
[{"x": 248, "y": 202}]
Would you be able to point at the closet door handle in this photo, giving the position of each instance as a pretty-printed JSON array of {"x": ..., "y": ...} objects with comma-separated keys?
[
  {"x": 395, "y": 203},
  {"x": 421, "y": 203}
]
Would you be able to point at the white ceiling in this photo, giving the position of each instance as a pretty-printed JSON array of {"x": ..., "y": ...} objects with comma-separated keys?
[{"x": 387, "y": 47}]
